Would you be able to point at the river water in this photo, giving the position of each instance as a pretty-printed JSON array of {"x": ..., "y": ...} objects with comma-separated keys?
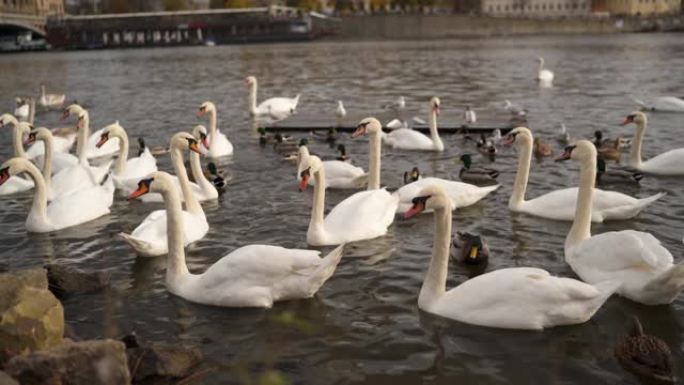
[{"x": 363, "y": 327}]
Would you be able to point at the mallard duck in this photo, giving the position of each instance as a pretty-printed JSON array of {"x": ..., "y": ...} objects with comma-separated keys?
[
  {"x": 610, "y": 150},
  {"x": 470, "y": 249},
  {"x": 410, "y": 177},
  {"x": 486, "y": 146},
  {"x": 647, "y": 357},
  {"x": 615, "y": 175},
  {"x": 475, "y": 174},
  {"x": 330, "y": 136},
  {"x": 541, "y": 148},
  {"x": 284, "y": 145},
  {"x": 213, "y": 174},
  {"x": 292, "y": 155}
]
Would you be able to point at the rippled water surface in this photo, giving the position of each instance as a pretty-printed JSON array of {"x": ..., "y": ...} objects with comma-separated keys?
[{"x": 364, "y": 325}]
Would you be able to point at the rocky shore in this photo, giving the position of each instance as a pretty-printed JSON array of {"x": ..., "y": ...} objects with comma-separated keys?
[{"x": 34, "y": 351}]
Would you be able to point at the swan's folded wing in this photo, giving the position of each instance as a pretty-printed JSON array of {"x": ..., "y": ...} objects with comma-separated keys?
[
  {"x": 338, "y": 169},
  {"x": 260, "y": 265},
  {"x": 619, "y": 250},
  {"x": 373, "y": 208}
]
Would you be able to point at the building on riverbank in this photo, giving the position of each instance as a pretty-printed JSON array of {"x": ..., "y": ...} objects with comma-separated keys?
[
  {"x": 639, "y": 7},
  {"x": 39, "y": 8},
  {"x": 536, "y": 8}
]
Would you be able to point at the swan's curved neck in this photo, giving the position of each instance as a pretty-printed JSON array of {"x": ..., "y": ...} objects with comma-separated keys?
[
  {"x": 212, "y": 128},
  {"x": 581, "y": 226},
  {"x": 197, "y": 174},
  {"x": 541, "y": 64},
  {"x": 434, "y": 284},
  {"x": 318, "y": 200},
  {"x": 176, "y": 269},
  {"x": 374, "y": 142},
  {"x": 253, "y": 98},
  {"x": 18, "y": 142},
  {"x": 191, "y": 203},
  {"x": 47, "y": 161},
  {"x": 635, "y": 152},
  {"x": 120, "y": 166},
  {"x": 434, "y": 133},
  {"x": 82, "y": 140},
  {"x": 39, "y": 205},
  {"x": 32, "y": 111},
  {"x": 522, "y": 176}
]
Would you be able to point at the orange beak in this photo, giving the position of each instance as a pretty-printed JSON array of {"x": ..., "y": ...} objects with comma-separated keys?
[
  {"x": 142, "y": 190},
  {"x": 205, "y": 142},
  {"x": 360, "y": 130},
  {"x": 200, "y": 113},
  {"x": 508, "y": 139},
  {"x": 30, "y": 139},
  {"x": 415, "y": 210},
  {"x": 627, "y": 121},
  {"x": 195, "y": 148},
  {"x": 436, "y": 109},
  {"x": 304, "y": 183},
  {"x": 102, "y": 141},
  {"x": 4, "y": 176},
  {"x": 564, "y": 156}
]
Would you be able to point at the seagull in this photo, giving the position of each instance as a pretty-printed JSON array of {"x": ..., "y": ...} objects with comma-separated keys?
[
  {"x": 340, "y": 112},
  {"x": 469, "y": 115},
  {"x": 396, "y": 106},
  {"x": 514, "y": 109}
]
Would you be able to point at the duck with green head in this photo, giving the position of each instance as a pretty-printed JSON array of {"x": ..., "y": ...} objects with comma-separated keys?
[{"x": 475, "y": 174}]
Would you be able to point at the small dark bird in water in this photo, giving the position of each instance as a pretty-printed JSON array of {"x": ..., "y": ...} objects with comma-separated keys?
[
  {"x": 603, "y": 174},
  {"x": 470, "y": 249},
  {"x": 410, "y": 177},
  {"x": 343, "y": 153},
  {"x": 475, "y": 174},
  {"x": 647, "y": 357},
  {"x": 215, "y": 176},
  {"x": 486, "y": 146},
  {"x": 141, "y": 145}
]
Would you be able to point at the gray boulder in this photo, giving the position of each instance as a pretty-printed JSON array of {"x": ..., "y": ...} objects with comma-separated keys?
[
  {"x": 155, "y": 362},
  {"x": 95, "y": 362},
  {"x": 31, "y": 318}
]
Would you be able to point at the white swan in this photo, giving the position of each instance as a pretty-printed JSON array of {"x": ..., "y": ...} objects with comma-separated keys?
[
  {"x": 149, "y": 239},
  {"x": 512, "y": 298},
  {"x": 271, "y": 110},
  {"x": 408, "y": 139},
  {"x": 82, "y": 175},
  {"x": 667, "y": 163},
  {"x": 469, "y": 115},
  {"x": 544, "y": 75},
  {"x": 364, "y": 215},
  {"x": 65, "y": 210},
  {"x": 60, "y": 160},
  {"x": 340, "y": 113},
  {"x": 16, "y": 184},
  {"x": 461, "y": 194},
  {"x": 202, "y": 189},
  {"x": 219, "y": 145},
  {"x": 338, "y": 173},
  {"x": 636, "y": 259},
  {"x": 560, "y": 204},
  {"x": 127, "y": 172},
  {"x": 251, "y": 276},
  {"x": 662, "y": 103},
  {"x": 36, "y": 151},
  {"x": 50, "y": 100},
  {"x": 23, "y": 109}
]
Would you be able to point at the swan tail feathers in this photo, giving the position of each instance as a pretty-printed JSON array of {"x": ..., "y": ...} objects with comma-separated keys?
[
  {"x": 488, "y": 189},
  {"x": 361, "y": 180},
  {"x": 639, "y": 102},
  {"x": 296, "y": 101},
  {"x": 141, "y": 247},
  {"x": 325, "y": 269},
  {"x": 668, "y": 285},
  {"x": 647, "y": 201},
  {"x": 605, "y": 289}
]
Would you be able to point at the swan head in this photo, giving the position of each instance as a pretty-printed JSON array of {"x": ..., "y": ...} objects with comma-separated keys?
[
  {"x": 205, "y": 108},
  {"x": 250, "y": 81},
  {"x": 540, "y": 59},
  {"x": 581, "y": 150},
  {"x": 12, "y": 167},
  {"x": 72, "y": 109},
  {"x": 112, "y": 130},
  {"x": 430, "y": 197},
  {"x": 434, "y": 104},
  {"x": 309, "y": 166},
  {"x": 185, "y": 141},
  {"x": 636, "y": 117},
  {"x": 518, "y": 135},
  {"x": 157, "y": 182},
  {"x": 367, "y": 126},
  {"x": 6, "y": 119},
  {"x": 200, "y": 133},
  {"x": 40, "y": 133}
]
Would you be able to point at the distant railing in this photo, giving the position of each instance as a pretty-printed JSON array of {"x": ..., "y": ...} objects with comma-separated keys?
[{"x": 272, "y": 10}]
